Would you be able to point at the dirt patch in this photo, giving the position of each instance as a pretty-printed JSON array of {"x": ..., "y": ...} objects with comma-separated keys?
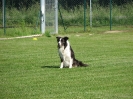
[{"x": 114, "y": 31}]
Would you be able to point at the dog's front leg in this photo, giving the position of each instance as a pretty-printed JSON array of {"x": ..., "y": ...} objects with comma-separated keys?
[
  {"x": 70, "y": 65},
  {"x": 61, "y": 65}
]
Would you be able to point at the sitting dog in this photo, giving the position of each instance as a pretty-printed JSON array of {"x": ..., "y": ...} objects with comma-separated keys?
[{"x": 66, "y": 54}]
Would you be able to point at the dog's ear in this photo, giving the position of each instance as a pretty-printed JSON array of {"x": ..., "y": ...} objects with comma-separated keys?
[
  {"x": 66, "y": 38},
  {"x": 58, "y": 38}
]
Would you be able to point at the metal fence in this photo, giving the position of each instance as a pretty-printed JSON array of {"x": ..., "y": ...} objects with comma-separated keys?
[
  {"x": 21, "y": 17},
  {"x": 17, "y": 12},
  {"x": 104, "y": 12},
  {"x": 26, "y": 13}
]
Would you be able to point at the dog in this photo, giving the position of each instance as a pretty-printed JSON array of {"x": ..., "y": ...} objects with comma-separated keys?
[{"x": 66, "y": 54}]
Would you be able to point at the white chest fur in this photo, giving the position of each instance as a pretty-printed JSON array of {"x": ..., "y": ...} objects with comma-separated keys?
[{"x": 65, "y": 54}]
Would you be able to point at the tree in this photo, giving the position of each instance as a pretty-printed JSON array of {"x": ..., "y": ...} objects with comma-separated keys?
[{"x": 19, "y": 3}]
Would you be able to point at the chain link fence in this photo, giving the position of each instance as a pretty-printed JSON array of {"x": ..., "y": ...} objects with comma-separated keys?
[
  {"x": 73, "y": 12},
  {"x": 24, "y": 15},
  {"x": 21, "y": 11},
  {"x": 21, "y": 17}
]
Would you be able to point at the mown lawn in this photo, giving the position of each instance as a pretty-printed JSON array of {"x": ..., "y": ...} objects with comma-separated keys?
[{"x": 30, "y": 69}]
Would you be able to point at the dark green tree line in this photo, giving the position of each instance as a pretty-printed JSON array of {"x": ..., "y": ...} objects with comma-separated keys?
[
  {"x": 65, "y": 3},
  {"x": 19, "y": 3}
]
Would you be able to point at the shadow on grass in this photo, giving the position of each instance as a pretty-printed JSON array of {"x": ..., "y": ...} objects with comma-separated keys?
[
  {"x": 49, "y": 66},
  {"x": 64, "y": 67}
]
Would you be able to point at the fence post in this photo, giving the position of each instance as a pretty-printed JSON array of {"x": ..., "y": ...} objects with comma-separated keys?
[
  {"x": 90, "y": 14},
  {"x": 56, "y": 16},
  {"x": 84, "y": 15},
  {"x": 4, "y": 16},
  {"x": 110, "y": 14},
  {"x": 42, "y": 16}
]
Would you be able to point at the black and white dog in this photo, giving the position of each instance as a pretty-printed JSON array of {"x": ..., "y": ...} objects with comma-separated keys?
[{"x": 66, "y": 54}]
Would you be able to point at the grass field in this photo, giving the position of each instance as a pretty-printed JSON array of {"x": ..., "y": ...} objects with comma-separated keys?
[{"x": 30, "y": 69}]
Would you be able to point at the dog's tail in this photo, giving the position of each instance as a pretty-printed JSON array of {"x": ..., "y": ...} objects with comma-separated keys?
[{"x": 79, "y": 63}]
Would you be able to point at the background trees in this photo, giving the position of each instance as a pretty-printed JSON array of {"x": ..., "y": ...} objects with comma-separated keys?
[{"x": 65, "y": 3}]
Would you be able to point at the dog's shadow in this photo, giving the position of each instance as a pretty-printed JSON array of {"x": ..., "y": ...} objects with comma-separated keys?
[{"x": 49, "y": 66}]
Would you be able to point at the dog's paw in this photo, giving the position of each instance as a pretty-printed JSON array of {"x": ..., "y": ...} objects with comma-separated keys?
[{"x": 61, "y": 67}]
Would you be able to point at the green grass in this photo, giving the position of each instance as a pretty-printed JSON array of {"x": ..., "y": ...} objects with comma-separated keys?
[
  {"x": 26, "y": 31},
  {"x": 20, "y": 31},
  {"x": 30, "y": 69}
]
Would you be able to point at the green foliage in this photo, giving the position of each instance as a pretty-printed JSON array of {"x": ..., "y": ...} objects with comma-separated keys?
[
  {"x": 70, "y": 4},
  {"x": 14, "y": 16},
  {"x": 20, "y": 31},
  {"x": 47, "y": 34},
  {"x": 30, "y": 69},
  {"x": 121, "y": 15}
]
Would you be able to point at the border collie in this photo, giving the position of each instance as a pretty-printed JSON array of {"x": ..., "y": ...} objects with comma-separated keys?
[{"x": 66, "y": 54}]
